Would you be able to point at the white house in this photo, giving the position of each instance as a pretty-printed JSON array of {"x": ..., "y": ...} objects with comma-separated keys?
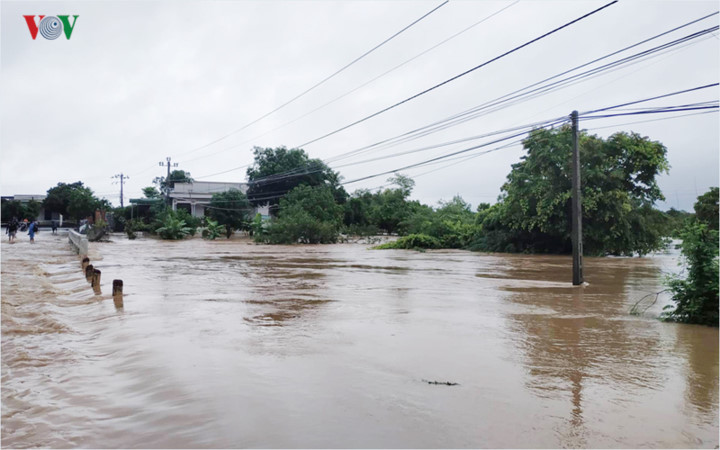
[
  {"x": 196, "y": 196},
  {"x": 43, "y": 215}
]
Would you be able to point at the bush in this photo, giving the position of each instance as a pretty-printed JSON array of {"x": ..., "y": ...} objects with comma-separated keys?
[
  {"x": 213, "y": 230},
  {"x": 191, "y": 221},
  {"x": 361, "y": 230},
  {"x": 301, "y": 227},
  {"x": 412, "y": 242},
  {"x": 696, "y": 297},
  {"x": 133, "y": 226},
  {"x": 308, "y": 215},
  {"x": 173, "y": 228}
]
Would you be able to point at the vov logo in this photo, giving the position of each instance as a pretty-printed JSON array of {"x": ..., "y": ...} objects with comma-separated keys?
[{"x": 50, "y": 27}]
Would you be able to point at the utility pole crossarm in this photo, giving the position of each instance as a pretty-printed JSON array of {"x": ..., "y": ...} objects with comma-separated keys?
[
  {"x": 169, "y": 164},
  {"x": 122, "y": 178}
]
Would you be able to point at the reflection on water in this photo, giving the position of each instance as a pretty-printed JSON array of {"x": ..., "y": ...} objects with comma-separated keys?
[{"x": 229, "y": 344}]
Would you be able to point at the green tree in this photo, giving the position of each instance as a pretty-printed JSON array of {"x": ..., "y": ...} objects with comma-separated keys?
[
  {"x": 12, "y": 208},
  {"x": 308, "y": 215},
  {"x": 165, "y": 186},
  {"x": 453, "y": 224},
  {"x": 357, "y": 208},
  {"x": 173, "y": 227},
  {"x": 231, "y": 209},
  {"x": 276, "y": 171},
  {"x": 696, "y": 295},
  {"x": 619, "y": 189},
  {"x": 32, "y": 209},
  {"x": 391, "y": 208},
  {"x": 213, "y": 230},
  {"x": 73, "y": 200},
  {"x": 677, "y": 221},
  {"x": 151, "y": 192},
  {"x": 706, "y": 208}
]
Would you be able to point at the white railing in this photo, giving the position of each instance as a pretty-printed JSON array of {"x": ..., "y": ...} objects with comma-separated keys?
[{"x": 79, "y": 241}]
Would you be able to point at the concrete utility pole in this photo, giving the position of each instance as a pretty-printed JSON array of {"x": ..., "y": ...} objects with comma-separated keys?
[
  {"x": 122, "y": 181},
  {"x": 167, "y": 180},
  {"x": 576, "y": 206}
]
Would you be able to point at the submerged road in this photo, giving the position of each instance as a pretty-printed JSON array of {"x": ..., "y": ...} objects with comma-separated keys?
[{"x": 229, "y": 344}]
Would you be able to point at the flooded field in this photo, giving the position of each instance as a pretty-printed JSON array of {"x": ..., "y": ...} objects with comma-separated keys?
[{"x": 229, "y": 344}]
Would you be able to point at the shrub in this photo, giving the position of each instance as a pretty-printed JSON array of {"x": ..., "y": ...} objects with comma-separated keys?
[
  {"x": 696, "y": 297},
  {"x": 412, "y": 241},
  {"x": 213, "y": 230},
  {"x": 173, "y": 228}
]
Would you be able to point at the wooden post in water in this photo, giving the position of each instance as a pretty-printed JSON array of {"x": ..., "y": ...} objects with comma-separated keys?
[
  {"x": 576, "y": 206},
  {"x": 85, "y": 262},
  {"x": 89, "y": 271},
  {"x": 96, "y": 281},
  {"x": 118, "y": 293}
]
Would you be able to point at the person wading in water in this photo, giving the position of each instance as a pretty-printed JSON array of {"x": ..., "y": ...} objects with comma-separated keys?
[
  {"x": 32, "y": 229},
  {"x": 12, "y": 228}
]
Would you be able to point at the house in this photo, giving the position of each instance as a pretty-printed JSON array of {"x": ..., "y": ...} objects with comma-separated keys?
[
  {"x": 44, "y": 217},
  {"x": 195, "y": 197}
]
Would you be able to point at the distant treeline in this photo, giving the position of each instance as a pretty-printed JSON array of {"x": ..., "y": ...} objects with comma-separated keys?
[{"x": 619, "y": 190}]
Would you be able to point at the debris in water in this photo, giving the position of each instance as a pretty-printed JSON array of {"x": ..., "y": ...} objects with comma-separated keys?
[{"x": 444, "y": 383}]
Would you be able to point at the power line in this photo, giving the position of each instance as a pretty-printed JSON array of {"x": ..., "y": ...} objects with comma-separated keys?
[
  {"x": 551, "y": 122},
  {"x": 323, "y": 80},
  {"x": 525, "y": 93},
  {"x": 684, "y": 91},
  {"x": 458, "y": 75},
  {"x": 709, "y": 105},
  {"x": 306, "y": 170},
  {"x": 515, "y": 97},
  {"x": 365, "y": 83},
  {"x": 653, "y": 120}
]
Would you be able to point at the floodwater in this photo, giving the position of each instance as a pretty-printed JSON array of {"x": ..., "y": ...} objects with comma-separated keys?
[{"x": 229, "y": 344}]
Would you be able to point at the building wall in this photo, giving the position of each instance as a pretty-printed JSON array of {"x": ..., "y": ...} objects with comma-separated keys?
[{"x": 197, "y": 195}]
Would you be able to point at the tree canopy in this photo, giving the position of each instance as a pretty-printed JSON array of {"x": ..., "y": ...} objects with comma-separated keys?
[
  {"x": 618, "y": 187},
  {"x": 308, "y": 215},
  {"x": 176, "y": 176},
  {"x": 20, "y": 210},
  {"x": 151, "y": 192},
  {"x": 696, "y": 294},
  {"x": 231, "y": 209},
  {"x": 73, "y": 200},
  {"x": 276, "y": 171}
]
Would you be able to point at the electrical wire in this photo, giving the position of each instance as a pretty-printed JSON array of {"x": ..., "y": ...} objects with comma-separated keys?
[
  {"x": 303, "y": 171},
  {"x": 362, "y": 85},
  {"x": 320, "y": 82},
  {"x": 523, "y": 92},
  {"x": 501, "y": 102},
  {"x": 458, "y": 75}
]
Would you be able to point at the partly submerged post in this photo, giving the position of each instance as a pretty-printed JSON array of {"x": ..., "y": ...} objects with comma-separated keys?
[
  {"x": 89, "y": 271},
  {"x": 85, "y": 262},
  {"x": 96, "y": 281},
  {"x": 118, "y": 293},
  {"x": 576, "y": 206}
]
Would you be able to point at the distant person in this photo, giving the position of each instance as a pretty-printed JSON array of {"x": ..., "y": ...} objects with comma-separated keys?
[
  {"x": 54, "y": 227},
  {"x": 24, "y": 225},
  {"x": 32, "y": 229},
  {"x": 12, "y": 228}
]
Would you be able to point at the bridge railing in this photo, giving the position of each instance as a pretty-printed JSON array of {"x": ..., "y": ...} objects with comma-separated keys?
[{"x": 79, "y": 241}]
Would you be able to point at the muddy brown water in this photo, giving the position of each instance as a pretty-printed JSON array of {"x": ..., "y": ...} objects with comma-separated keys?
[{"x": 228, "y": 344}]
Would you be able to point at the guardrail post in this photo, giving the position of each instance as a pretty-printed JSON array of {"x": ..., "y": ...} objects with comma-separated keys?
[
  {"x": 96, "y": 281},
  {"x": 89, "y": 271},
  {"x": 118, "y": 293}
]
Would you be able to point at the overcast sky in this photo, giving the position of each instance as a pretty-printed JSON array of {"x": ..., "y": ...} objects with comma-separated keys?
[{"x": 139, "y": 81}]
